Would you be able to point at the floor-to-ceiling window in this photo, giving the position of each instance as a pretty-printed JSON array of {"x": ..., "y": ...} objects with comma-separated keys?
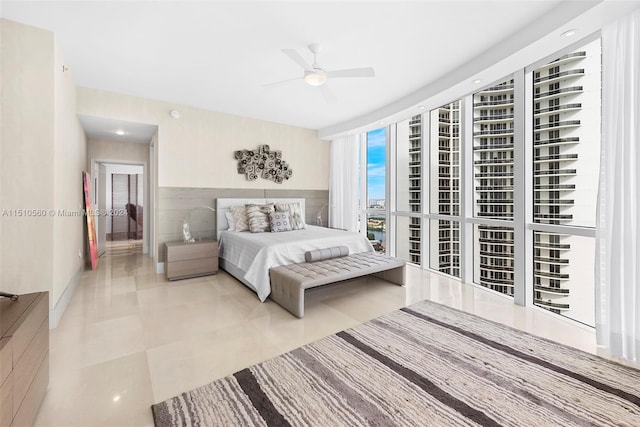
[
  {"x": 444, "y": 191},
  {"x": 376, "y": 213},
  {"x": 566, "y": 147},
  {"x": 408, "y": 185},
  {"x": 499, "y": 187},
  {"x": 493, "y": 173}
]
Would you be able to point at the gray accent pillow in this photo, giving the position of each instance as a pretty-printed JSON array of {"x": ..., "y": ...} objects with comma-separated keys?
[
  {"x": 295, "y": 214},
  {"x": 258, "y": 217},
  {"x": 279, "y": 221},
  {"x": 328, "y": 253}
]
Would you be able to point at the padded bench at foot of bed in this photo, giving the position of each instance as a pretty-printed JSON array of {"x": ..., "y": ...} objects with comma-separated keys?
[{"x": 288, "y": 282}]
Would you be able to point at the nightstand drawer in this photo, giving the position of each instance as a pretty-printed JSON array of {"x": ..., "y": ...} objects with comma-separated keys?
[
  {"x": 192, "y": 267},
  {"x": 187, "y": 251},
  {"x": 192, "y": 259}
]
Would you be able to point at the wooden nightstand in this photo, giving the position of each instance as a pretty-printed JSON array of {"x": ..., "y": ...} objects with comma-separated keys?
[{"x": 184, "y": 260}]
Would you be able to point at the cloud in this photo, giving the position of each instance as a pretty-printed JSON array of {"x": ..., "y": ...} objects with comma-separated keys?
[
  {"x": 377, "y": 138},
  {"x": 376, "y": 191},
  {"x": 376, "y": 170}
]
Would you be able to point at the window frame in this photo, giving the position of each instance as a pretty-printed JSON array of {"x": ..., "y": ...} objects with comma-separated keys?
[{"x": 523, "y": 223}]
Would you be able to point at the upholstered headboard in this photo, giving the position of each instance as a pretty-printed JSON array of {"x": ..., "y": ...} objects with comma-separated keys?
[{"x": 223, "y": 205}]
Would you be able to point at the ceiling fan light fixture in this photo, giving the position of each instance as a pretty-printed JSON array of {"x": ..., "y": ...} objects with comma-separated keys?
[{"x": 315, "y": 77}]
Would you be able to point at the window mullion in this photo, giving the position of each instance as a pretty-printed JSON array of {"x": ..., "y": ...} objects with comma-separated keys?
[
  {"x": 390, "y": 196},
  {"x": 426, "y": 190},
  {"x": 466, "y": 191},
  {"x": 522, "y": 252}
]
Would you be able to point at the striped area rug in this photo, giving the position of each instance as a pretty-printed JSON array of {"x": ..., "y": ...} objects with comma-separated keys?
[{"x": 426, "y": 365}]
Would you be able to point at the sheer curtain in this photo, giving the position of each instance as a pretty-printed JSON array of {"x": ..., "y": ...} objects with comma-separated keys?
[
  {"x": 618, "y": 220},
  {"x": 343, "y": 183}
]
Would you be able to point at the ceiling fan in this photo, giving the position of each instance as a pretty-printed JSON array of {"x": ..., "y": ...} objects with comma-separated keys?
[{"x": 314, "y": 75}]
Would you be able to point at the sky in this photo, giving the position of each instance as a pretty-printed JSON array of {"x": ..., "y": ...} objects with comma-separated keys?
[{"x": 376, "y": 163}]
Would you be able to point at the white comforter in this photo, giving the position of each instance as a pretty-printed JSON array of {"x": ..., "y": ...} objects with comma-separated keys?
[{"x": 256, "y": 253}]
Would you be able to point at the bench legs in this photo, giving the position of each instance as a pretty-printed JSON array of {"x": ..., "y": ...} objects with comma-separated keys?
[{"x": 395, "y": 275}]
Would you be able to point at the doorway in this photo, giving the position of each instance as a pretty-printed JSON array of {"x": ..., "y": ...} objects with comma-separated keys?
[
  {"x": 121, "y": 203},
  {"x": 127, "y": 207}
]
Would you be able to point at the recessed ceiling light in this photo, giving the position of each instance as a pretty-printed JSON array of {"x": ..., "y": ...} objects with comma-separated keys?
[
  {"x": 476, "y": 81},
  {"x": 119, "y": 132},
  {"x": 569, "y": 33},
  {"x": 421, "y": 107}
]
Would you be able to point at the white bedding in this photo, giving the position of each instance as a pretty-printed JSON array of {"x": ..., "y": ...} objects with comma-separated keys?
[{"x": 256, "y": 253}]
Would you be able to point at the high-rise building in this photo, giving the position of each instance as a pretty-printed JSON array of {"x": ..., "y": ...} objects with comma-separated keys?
[
  {"x": 415, "y": 186},
  {"x": 493, "y": 177},
  {"x": 566, "y": 103},
  {"x": 445, "y": 148}
]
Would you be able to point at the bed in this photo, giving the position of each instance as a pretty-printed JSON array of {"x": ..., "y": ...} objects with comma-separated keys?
[{"x": 249, "y": 256}]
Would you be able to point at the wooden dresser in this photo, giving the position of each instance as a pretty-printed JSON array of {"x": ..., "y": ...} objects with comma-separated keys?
[
  {"x": 24, "y": 357},
  {"x": 184, "y": 260}
]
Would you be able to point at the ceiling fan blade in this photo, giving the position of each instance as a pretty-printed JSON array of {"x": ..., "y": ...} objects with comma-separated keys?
[
  {"x": 278, "y": 83},
  {"x": 297, "y": 58},
  {"x": 327, "y": 94},
  {"x": 352, "y": 72}
]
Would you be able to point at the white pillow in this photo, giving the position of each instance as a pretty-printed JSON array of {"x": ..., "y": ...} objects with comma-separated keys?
[{"x": 230, "y": 223}]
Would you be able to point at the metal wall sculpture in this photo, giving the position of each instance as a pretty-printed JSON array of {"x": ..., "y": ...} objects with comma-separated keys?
[{"x": 264, "y": 163}]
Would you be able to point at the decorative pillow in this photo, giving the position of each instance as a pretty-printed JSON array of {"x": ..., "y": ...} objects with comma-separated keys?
[
  {"x": 279, "y": 221},
  {"x": 240, "y": 220},
  {"x": 328, "y": 253},
  {"x": 295, "y": 214},
  {"x": 258, "y": 216},
  {"x": 230, "y": 222}
]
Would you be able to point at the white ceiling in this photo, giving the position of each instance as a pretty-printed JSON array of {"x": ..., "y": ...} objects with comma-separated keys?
[
  {"x": 107, "y": 129},
  {"x": 218, "y": 55}
]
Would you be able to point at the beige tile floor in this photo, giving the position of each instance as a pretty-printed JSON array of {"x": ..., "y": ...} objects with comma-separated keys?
[{"x": 130, "y": 338}]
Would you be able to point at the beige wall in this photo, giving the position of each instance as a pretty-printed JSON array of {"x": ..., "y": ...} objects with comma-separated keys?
[
  {"x": 70, "y": 151},
  {"x": 27, "y": 127},
  {"x": 43, "y": 152},
  {"x": 196, "y": 151},
  {"x": 127, "y": 152}
]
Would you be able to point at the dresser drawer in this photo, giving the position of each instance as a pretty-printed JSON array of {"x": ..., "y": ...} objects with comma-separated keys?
[
  {"x": 25, "y": 368},
  {"x": 6, "y": 401},
  {"x": 28, "y": 410},
  {"x": 24, "y": 355},
  {"x": 24, "y": 333},
  {"x": 6, "y": 360}
]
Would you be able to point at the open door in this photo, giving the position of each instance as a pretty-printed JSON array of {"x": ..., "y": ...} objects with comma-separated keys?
[{"x": 102, "y": 205}]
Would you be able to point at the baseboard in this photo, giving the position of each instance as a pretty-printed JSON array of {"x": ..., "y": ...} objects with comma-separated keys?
[
  {"x": 160, "y": 267},
  {"x": 56, "y": 313}
]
